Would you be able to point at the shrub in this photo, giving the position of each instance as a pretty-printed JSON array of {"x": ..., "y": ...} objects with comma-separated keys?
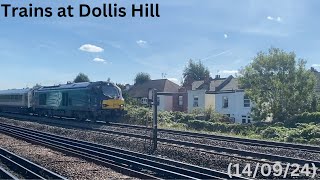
[
  {"x": 304, "y": 118},
  {"x": 270, "y": 132}
]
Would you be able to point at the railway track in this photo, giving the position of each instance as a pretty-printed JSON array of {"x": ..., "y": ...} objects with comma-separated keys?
[
  {"x": 243, "y": 154},
  {"x": 252, "y": 142},
  {"x": 245, "y": 141},
  {"x": 128, "y": 162},
  {"x": 23, "y": 167}
]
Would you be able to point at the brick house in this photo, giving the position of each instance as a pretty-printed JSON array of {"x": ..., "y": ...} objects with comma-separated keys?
[{"x": 175, "y": 98}]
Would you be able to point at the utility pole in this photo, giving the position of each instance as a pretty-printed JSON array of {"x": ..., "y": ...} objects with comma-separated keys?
[{"x": 155, "y": 119}]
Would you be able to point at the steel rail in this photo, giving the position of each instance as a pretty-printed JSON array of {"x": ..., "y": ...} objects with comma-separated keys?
[
  {"x": 133, "y": 159},
  {"x": 231, "y": 139},
  {"x": 253, "y": 142},
  {"x": 218, "y": 149},
  {"x": 206, "y": 147},
  {"x": 4, "y": 174},
  {"x": 25, "y": 167}
]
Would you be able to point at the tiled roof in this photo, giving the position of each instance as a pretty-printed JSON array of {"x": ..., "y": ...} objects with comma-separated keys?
[
  {"x": 162, "y": 85},
  {"x": 217, "y": 84}
]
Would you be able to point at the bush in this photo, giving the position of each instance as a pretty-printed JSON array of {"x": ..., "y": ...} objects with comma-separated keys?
[
  {"x": 304, "y": 118},
  {"x": 270, "y": 132},
  {"x": 220, "y": 127}
]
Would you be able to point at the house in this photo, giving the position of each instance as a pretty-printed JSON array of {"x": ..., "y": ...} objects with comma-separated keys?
[
  {"x": 223, "y": 95},
  {"x": 174, "y": 99},
  {"x": 317, "y": 74}
]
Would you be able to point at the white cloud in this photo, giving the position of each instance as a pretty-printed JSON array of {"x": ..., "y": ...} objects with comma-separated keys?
[
  {"x": 91, "y": 48},
  {"x": 278, "y": 19},
  {"x": 100, "y": 60},
  {"x": 225, "y": 36},
  {"x": 270, "y": 18},
  {"x": 229, "y": 71},
  {"x": 315, "y": 65},
  {"x": 142, "y": 43}
]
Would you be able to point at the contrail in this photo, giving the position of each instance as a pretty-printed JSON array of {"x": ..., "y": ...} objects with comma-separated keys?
[{"x": 215, "y": 55}]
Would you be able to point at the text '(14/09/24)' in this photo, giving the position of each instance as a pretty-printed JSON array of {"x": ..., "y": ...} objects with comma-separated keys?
[{"x": 277, "y": 169}]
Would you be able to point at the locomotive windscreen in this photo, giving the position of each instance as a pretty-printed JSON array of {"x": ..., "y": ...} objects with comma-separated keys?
[{"x": 110, "y": 91}]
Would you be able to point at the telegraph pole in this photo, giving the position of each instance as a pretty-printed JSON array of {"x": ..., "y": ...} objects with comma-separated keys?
[{"x": 155, "y": 119}]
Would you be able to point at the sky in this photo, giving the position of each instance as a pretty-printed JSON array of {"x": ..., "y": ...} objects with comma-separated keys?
[{"x": 224, "y": 34}]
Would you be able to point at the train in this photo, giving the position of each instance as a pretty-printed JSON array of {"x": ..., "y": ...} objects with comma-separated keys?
[{"x": 97, "y": 101}]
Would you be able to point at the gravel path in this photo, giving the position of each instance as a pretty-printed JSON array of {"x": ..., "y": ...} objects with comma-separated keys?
[{"x": 70, "y": 167}]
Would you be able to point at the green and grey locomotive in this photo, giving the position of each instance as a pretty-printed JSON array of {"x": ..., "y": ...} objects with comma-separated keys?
[{"x": 87, "y": 100}]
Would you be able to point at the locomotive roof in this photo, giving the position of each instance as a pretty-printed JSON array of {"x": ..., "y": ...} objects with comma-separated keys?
[
  {"x": 65, "y": 86},
  {"x": 70, "y": 86},
  {"x": 14, "y": 91}
]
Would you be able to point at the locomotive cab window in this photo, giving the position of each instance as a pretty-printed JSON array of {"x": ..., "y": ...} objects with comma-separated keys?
[{"x": 110, "y": 91}]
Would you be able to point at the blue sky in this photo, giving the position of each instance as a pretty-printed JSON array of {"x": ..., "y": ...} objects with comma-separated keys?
[{"x": 224, "y": 34}]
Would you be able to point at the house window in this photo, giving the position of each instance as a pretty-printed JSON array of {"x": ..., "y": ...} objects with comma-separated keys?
[
  {"x": 244, "y": 119},
  {"x": 180, "y": 100},
  {"x": 249, "y": 119},
  {"x": 246, "y": 101},
  {"x": 195, "y": 101},
  {"x": 144, "y": 101},
  {"x": 225, "y": 102}
]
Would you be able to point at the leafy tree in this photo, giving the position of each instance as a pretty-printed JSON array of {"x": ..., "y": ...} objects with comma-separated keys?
[
  {"x": 195, "y": 71},
  {"x": 81, "y": 77},
  {"x": 37, "y": 86},
  {"x": 141, "y": 78},
  {"x": 278, "y": 84}
]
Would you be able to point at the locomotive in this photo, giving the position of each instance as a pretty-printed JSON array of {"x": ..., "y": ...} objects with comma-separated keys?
[{"x": 87, "y": 100}]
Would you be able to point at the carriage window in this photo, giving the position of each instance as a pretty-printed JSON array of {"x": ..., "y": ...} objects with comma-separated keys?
[{"x": 42, "y": 99}]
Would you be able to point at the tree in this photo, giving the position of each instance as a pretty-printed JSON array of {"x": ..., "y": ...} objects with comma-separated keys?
[
  {"x": 195, "y": 71},
  {"x": 81, "y": 77},
  {"x": 278, "y": 84},
  {"x": 37, "y": 86},
  {"x": 141, "y": 78}
]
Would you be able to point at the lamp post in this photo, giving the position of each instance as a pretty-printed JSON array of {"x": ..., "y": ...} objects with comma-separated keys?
[{"x": 155, "y": 119}]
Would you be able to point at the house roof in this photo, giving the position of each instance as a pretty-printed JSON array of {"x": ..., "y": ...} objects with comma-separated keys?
[
  {"x": 217, "y": 84},
  {"x": 196, "y": 84},
  {"x": 162, "y": 85},
  {"x": 232, "y": 84}
]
